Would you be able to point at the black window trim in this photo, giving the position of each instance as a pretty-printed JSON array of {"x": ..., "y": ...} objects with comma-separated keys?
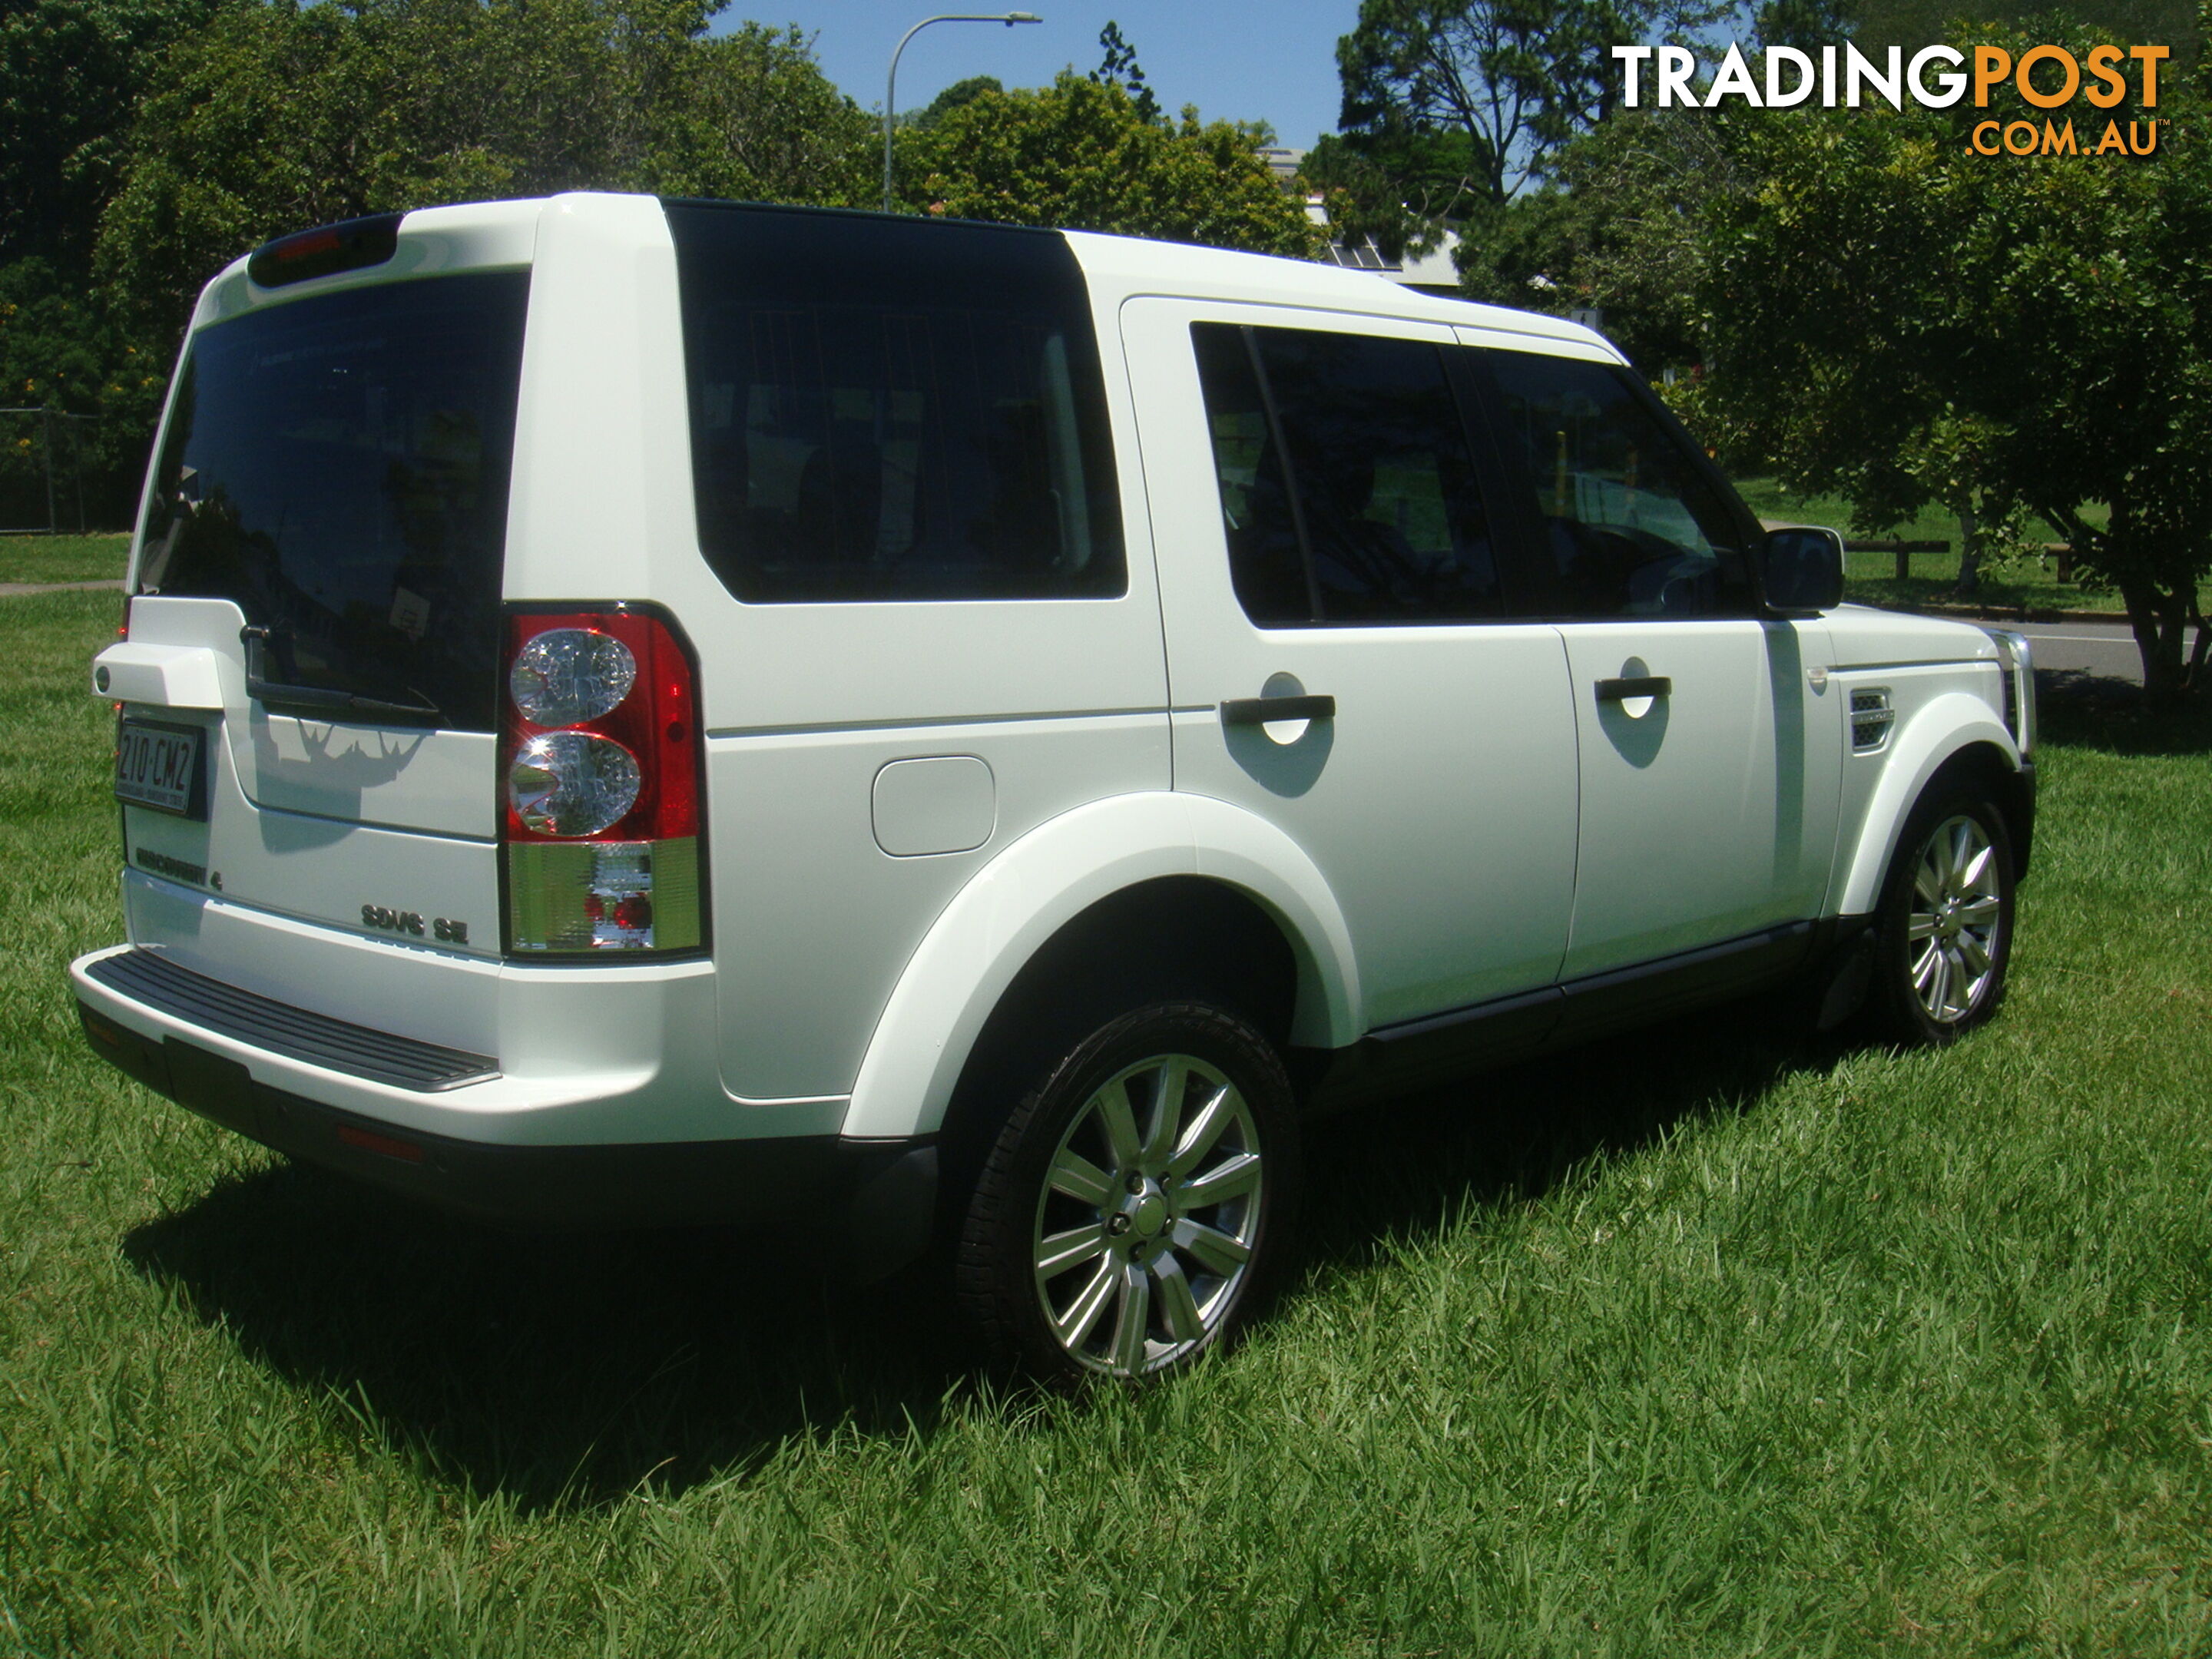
[{"x": 1318, "y": 616}]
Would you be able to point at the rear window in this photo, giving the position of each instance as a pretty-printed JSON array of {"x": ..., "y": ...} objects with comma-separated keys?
[
  {"x": 886, "y": 409},
  {"x": 337, "y": 467}
]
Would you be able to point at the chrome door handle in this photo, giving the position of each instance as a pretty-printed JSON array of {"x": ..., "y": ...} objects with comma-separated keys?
[
  {"x": 1644, "y": 685},
  {"x": 1261, "y": 711}
]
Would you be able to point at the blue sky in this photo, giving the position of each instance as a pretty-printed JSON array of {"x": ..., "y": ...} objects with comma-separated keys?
[{"x": 1274, "y": 63}]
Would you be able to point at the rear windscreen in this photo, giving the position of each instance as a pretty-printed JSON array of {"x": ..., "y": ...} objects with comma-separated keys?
[
  {"x": 337, "y": 467},
  {"x": 893, "y": 410}
]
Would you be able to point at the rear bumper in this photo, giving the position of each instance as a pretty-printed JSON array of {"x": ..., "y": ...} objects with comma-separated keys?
[
  {"x": 425, "y": 1041},
  {"x": 306, "y": 1085}
]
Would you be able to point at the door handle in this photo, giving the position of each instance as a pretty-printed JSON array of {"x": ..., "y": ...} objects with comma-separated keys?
[
  {"x": 1261, "y": 711},
  {"x": 1644, "y": 685}
]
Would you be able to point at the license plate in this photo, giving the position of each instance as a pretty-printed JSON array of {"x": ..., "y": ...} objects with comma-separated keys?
[{"x": 159, "y": 766}]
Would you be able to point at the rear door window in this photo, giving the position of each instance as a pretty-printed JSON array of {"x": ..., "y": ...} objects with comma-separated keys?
[
  {"x": 1348, "y": 491},
  {"x": 889, "y": 410},
  {"x": 337, "y": 467}
]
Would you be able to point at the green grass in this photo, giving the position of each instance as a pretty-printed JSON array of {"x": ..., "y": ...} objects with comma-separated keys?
[
  {"x": 1871, "y": 578},
  {"x": 63, "y": 558},
  {"x": 1701, "y": 1343}
]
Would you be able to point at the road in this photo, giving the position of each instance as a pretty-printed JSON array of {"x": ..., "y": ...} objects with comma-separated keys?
[{"x": 2099, "y": 650}]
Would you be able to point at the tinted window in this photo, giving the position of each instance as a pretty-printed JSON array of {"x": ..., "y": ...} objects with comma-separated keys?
[
  {"x": 1348, "y": 492},
  {"x": 337, "y": 467},
  {"x": 884, "y": 409},
  {"x": 1634, "y": 528}
]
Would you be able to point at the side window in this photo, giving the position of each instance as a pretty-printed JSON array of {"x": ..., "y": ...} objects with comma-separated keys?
[
  {"x": 1632, "y": 526},
  {"x": 1348, "y": 492},
  {"x": 893, "y": 410}
]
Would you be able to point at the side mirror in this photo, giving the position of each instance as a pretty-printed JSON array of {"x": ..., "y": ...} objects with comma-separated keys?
[{"x": 1803, "y": 566}]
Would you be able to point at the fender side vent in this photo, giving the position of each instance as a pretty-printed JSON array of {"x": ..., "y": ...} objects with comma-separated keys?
[{"x": 1871, "y": 719}]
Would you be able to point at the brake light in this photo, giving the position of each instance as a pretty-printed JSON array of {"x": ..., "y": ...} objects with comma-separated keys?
[
  {"x": 599, "y": 776},
  {"x": 354, "y": 245}
]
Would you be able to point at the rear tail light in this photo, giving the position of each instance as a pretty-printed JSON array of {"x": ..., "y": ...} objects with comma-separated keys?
[{"x": 599, "y": 781}]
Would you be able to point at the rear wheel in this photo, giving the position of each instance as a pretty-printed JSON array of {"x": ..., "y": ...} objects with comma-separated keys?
[
  {"x": 1137, "y": 1200},
  {"x": 1944, "y": 930}
]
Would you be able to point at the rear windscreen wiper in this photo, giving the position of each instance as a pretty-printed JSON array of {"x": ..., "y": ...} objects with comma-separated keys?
[{"x": 278, "y": 695}]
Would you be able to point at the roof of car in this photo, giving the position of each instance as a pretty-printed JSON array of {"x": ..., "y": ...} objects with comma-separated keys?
[{"x": 503, "y": 233}]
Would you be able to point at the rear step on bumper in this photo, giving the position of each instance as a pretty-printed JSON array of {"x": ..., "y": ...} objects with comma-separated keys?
[{"x": 150, "y": 978}]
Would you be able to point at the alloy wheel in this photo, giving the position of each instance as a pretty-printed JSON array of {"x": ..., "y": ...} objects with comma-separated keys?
[
  {"x": 1150, "y": 1213},
  {"x": 1953, "y": 920}
]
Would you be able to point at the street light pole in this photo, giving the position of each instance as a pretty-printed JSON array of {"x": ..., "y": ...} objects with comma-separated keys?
[{"x": 891, "y": 86}]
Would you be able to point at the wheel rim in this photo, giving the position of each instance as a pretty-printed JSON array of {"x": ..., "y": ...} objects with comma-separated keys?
[
  {"x": 1955, "y": 928},
  {"x": 1145, "y": 1229}
]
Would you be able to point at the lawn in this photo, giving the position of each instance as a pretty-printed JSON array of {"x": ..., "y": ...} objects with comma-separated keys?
[
  {"x": 1871, "y": 578},
  {"x": 63, "y": 558},
  {"x": 1704, "y": 1342}
]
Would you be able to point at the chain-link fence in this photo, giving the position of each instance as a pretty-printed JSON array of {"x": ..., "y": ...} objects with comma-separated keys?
[{"x": 42, "y": 472}]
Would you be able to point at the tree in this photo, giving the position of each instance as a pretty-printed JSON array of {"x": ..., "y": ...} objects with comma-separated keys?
[
  {"x": 1913, "y": 24},
  {"x": 1505, "y": 81},
  {"x": 71, "y": 75},
  {"x": 954, "y": 96},
  {"x": 1080, "y": 154},
  {"x": 279, "y": 117},
  {"x": 1619, "y": 227},
  {"x": 754, "y": 118},
  {"x": 1809, "y": 25},
  {"x": 63, "y": 348},
  {"x": 1902, "y": 320},
  {"x": 1396, "y": 186},
  {"x": 1119, "y": 69},
  {"x": 267, "y": 116}
]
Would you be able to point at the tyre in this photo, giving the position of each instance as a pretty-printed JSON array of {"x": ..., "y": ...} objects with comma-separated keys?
[
  {"x": 1137, "y": 1201},
  {"x": 1944, "y": 932}
]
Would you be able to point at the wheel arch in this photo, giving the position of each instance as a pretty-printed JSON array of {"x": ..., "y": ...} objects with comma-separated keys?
[
  {"x": 1092, "y": 875},
  {"x": 1954, "y": 734}
]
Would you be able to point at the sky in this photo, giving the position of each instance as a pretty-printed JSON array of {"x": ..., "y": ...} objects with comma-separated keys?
[{"x": 1236, "y": 60}]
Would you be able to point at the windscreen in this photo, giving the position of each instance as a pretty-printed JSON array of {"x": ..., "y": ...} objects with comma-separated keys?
[{"x": 337, "y": 467}]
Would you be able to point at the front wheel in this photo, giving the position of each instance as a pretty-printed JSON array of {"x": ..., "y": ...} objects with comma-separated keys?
[
  {"x": 1944, "y": 931},
  {"x": 1137, "y": 1201}
]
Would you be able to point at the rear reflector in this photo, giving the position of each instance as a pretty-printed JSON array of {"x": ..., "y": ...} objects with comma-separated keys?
[
  {"x": 353, "y": 245},
  {"x": 406, "y": 1151}
]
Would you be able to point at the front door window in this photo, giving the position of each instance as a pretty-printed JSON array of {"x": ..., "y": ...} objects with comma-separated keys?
[{"x": 1632, "y": 526}]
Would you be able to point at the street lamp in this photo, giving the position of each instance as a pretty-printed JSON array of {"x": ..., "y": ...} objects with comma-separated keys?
[{"x": 890, "y": 87}]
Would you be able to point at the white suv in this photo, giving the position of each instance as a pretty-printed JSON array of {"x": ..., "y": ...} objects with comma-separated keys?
[{"x": 666, "y": 712}]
